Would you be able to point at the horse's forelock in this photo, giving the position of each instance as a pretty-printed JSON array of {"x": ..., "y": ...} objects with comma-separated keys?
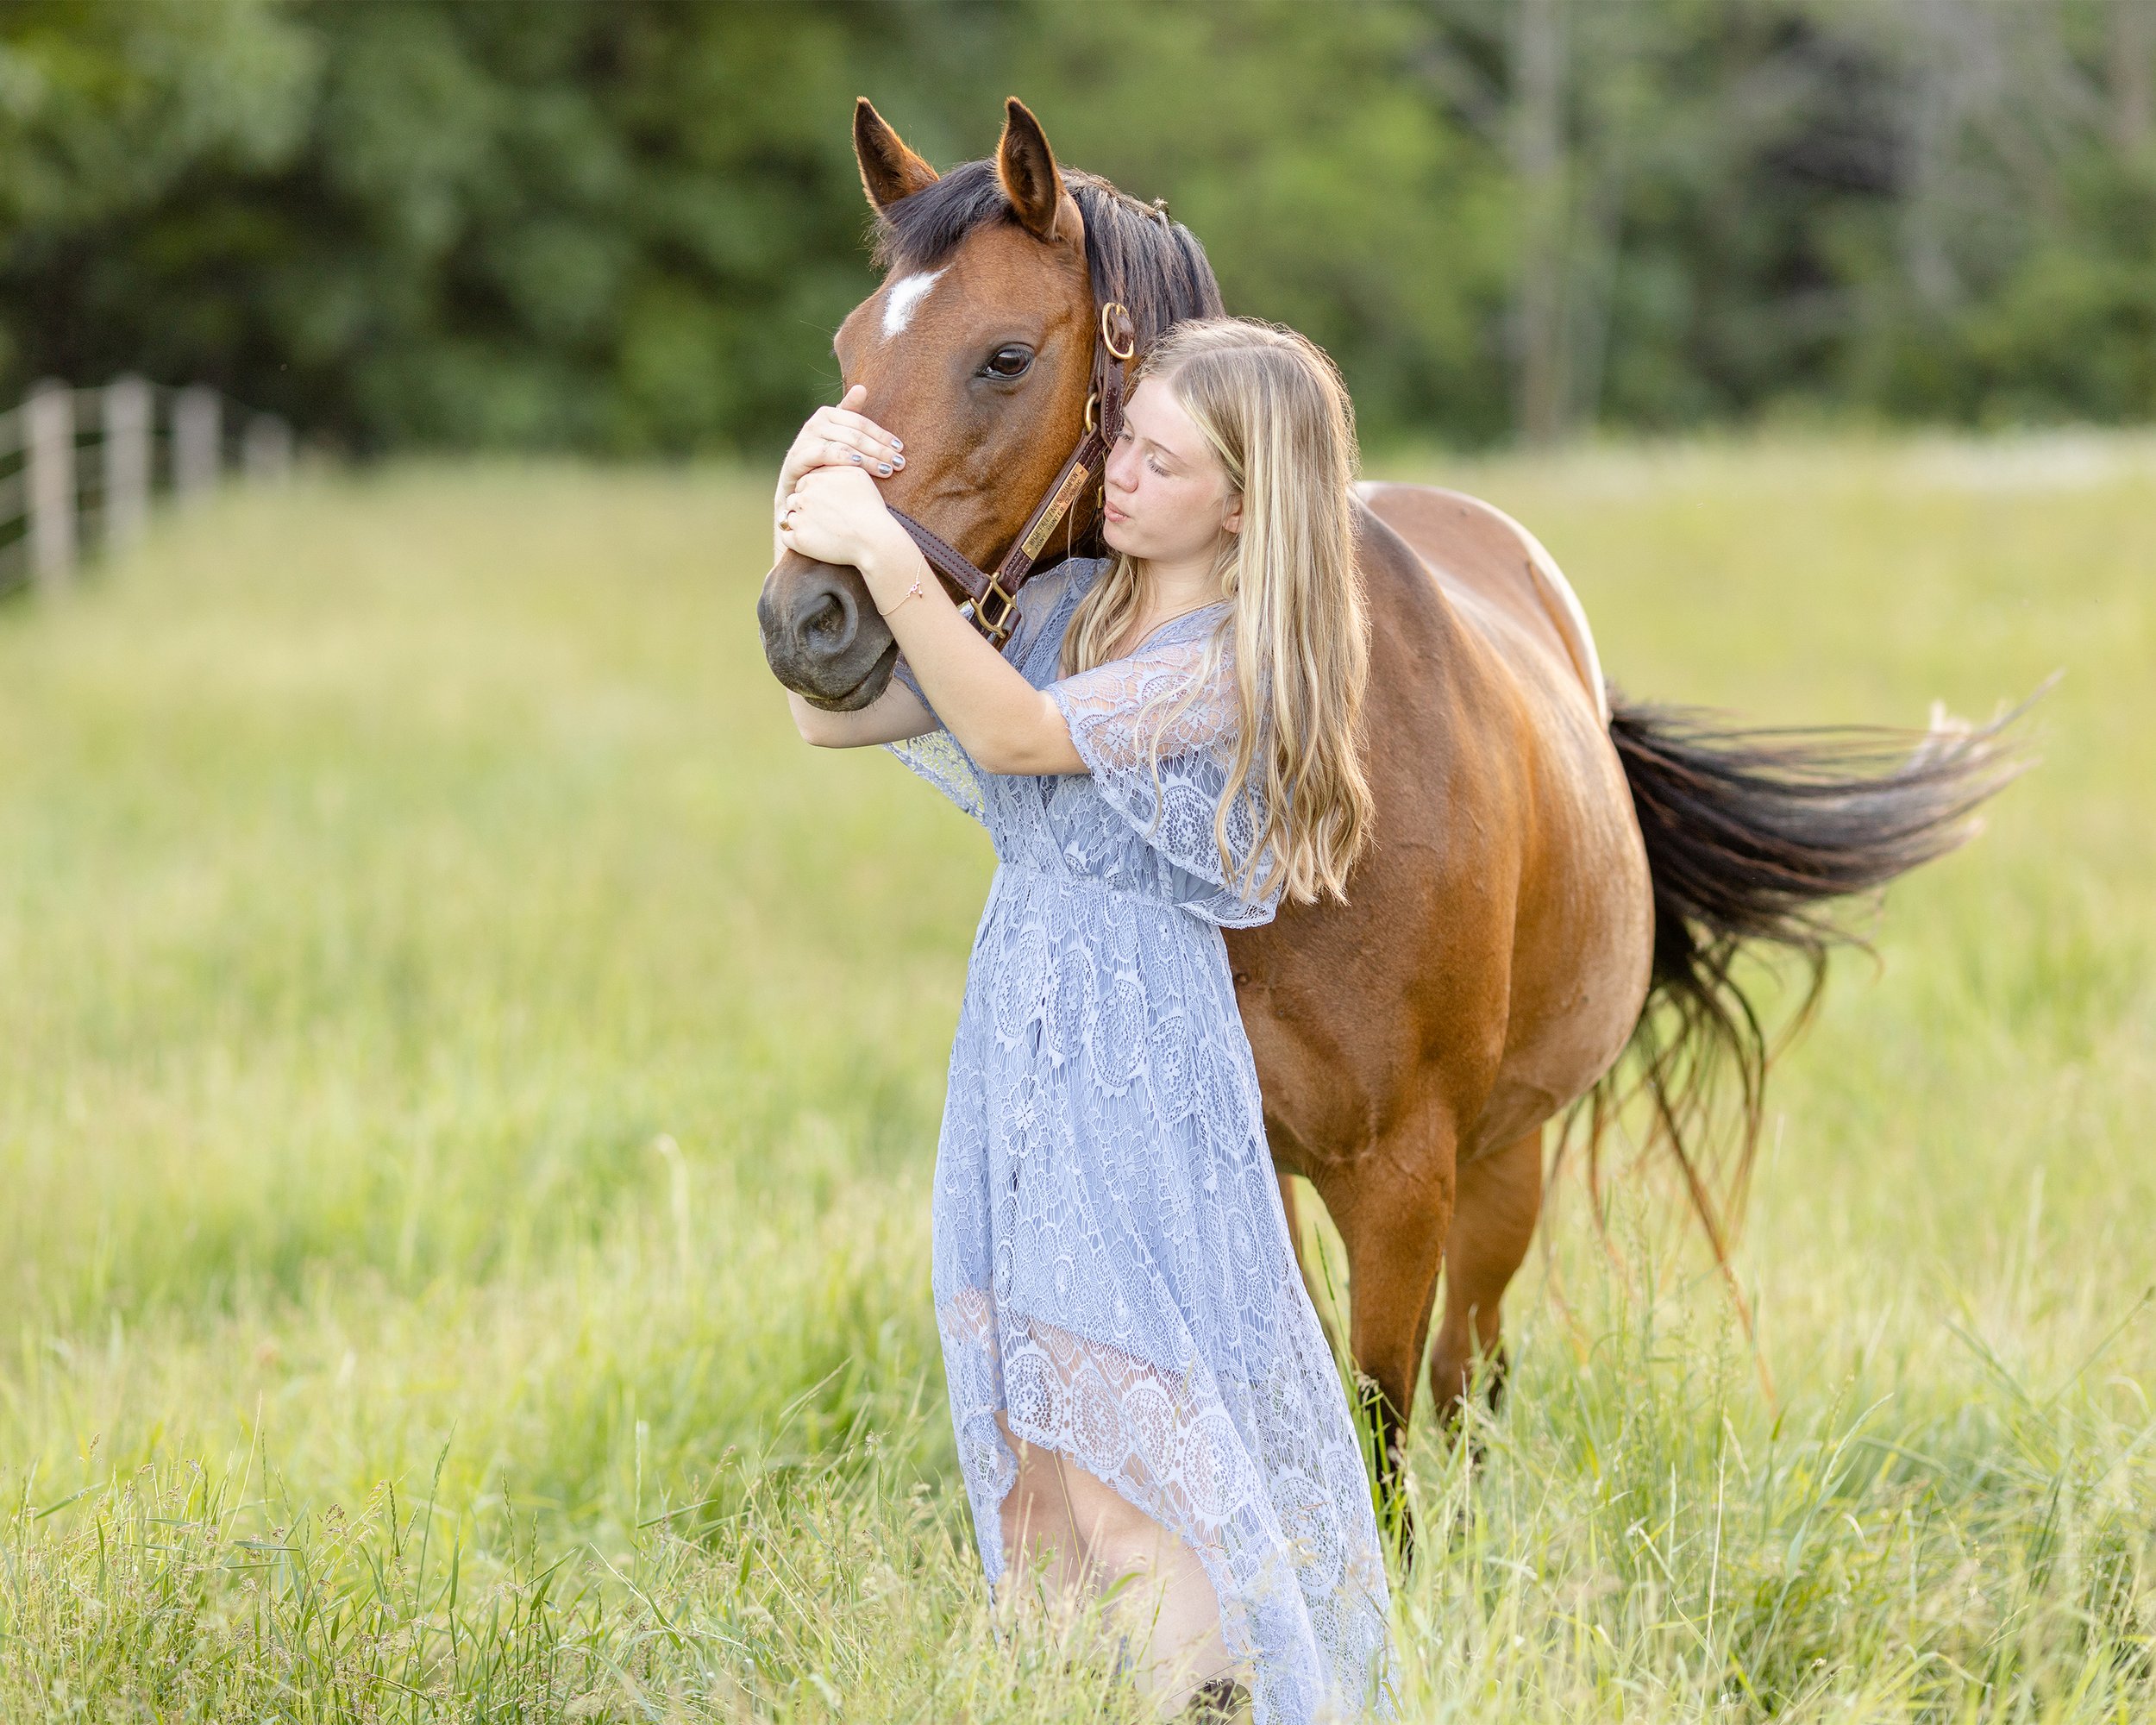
[
  {"x": 922, "y": 231},
  {"x": 1154, "y": 266}
]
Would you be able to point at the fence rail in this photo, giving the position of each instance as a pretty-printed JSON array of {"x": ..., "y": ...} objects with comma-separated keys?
[{"x": 81, "y": 469}]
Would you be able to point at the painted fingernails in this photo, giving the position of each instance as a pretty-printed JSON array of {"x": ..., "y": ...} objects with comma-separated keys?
[
  {"x": 896, "y": 444},
  {"x": 883, "y": 467},
  {"x": 897, "y": 460},
  {"x": 853, "y": 455}
]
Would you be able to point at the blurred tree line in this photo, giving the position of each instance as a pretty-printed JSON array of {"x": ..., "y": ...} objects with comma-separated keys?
[{"x": 630, "y": 225}]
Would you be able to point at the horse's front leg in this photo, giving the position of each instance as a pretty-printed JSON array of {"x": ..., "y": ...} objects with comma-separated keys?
[{"x": 1394, "y": 1218}]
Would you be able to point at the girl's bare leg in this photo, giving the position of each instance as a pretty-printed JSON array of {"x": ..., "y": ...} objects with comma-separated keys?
[
  {"x": 1043, "y": 1549},
  {"x": 1090, "y": 1538}
]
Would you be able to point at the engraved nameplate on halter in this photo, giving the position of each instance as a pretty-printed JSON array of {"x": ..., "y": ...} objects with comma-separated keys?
[{"x": 1066, "y": 494}]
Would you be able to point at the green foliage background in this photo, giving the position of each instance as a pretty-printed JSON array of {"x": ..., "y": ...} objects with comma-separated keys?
[{"x": 630, "y": 225}]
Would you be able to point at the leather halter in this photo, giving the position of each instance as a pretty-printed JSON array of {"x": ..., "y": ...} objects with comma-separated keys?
[{"x": 995, "y": 596}]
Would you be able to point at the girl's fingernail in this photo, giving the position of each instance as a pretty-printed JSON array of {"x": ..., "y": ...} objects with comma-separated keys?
[
  {"x": 896, "y": 444},
  {"x": 883, "y": 467},
  {"x": 897, "y": 460},
  {"x": 853, "y": 455}
]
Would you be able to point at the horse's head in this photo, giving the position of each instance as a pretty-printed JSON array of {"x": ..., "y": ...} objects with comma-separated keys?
[{"x": 977, "y": 352}]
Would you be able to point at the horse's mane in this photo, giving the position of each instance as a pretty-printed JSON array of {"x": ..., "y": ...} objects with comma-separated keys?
[{"x": 1134, "y": 252}]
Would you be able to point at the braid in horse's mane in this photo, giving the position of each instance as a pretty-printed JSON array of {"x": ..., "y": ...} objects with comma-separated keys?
[{"x": 1135, "y": 254}]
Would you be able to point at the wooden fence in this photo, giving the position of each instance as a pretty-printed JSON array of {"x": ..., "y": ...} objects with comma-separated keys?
[{"x": 81, "y": 469}]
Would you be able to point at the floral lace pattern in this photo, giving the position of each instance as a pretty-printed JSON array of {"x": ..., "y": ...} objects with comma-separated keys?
[{"x": 1112, "y": 1268}]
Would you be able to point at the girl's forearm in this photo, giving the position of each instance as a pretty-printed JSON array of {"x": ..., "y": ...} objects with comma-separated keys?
[
  {"x": 892, "y": 717},
  {"x": 1001, "y": 720}
]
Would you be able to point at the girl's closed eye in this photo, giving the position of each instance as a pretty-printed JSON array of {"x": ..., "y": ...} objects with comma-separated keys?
[{"x": 1122, "y": 435}]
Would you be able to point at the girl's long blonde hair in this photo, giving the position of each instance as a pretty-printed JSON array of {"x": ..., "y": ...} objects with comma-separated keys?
[{"x": 1276, "y": 415}]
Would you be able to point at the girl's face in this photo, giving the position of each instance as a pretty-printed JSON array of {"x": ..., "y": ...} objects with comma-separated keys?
[{"x": 1168, "y": 500}]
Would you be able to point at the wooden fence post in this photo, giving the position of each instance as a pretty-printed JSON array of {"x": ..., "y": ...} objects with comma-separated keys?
[
  {"x": 49, "y": 428},
  {"x": 265, "y": 452},
  {"x": 127, "y": 459},
  {"x": 197, "y": 439}
]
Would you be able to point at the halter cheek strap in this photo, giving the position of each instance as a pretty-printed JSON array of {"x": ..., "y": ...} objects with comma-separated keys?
[{"x": 995, "y": 596}]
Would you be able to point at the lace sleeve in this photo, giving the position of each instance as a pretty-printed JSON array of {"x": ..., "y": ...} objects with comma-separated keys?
[
  {"x": 1158, "y": 731},
  {"x": 1045, "y": 607},
  {"x": 935, "y": 756}
]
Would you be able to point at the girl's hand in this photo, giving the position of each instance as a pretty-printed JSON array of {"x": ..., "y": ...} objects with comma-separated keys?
[
  {"x": 836, "y": 514},
  {"x": 841, "y": 436}
]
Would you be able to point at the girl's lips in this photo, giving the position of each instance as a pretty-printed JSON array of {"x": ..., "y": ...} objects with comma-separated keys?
[{"x": 1112, "y": 512}]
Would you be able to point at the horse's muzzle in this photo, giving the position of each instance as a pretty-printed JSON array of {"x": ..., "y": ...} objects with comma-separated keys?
[{"x": 822, "y": 637}]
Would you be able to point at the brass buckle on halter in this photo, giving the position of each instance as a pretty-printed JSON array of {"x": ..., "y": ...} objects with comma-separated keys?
[
  {"x": 997, "y": 628},
  {"x": 1093, "y": 409},
  {"x": 1107, "y": 332}
]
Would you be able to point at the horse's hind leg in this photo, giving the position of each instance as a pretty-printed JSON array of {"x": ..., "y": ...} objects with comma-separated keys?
[{"x": 1499, "y": 1196}]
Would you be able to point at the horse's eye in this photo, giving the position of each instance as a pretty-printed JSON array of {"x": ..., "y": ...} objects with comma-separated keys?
[{"x": 1013, "y": 361}]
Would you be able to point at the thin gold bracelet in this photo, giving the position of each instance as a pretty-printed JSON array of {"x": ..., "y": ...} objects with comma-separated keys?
[{"x": 914, "y": 591}]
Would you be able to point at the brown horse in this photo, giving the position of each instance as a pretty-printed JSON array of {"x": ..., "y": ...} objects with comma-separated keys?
[{"x": 1551, "y": 879}]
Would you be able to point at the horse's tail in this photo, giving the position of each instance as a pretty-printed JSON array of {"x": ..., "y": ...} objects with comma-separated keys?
[{"x": 1751, "y": 835}]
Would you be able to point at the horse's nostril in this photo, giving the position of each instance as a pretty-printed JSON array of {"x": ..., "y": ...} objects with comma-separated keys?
[
  {"x": 822, "y": 636},
  {"x": 827, "y": 625}
]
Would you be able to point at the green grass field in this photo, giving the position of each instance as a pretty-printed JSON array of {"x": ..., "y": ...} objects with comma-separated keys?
[{"x": 468, "y": 1080}]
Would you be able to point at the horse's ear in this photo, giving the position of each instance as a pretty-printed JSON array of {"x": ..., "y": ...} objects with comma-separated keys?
[
  {"x": 1027, "y": 167},
  {"x": 889, "y": 171}
]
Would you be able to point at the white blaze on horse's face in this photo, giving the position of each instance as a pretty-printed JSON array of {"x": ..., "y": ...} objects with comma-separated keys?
[{"x": 903, "y": 298}]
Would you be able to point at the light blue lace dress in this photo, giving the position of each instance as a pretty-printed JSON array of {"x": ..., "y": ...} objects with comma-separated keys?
[{"x": 1112, "y": 1262}]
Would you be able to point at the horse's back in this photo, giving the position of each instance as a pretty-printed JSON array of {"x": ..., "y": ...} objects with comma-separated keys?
[{"x": 1480, "y": 554}]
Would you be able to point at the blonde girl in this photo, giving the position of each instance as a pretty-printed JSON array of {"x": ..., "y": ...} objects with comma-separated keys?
[{"x": 1146, "y": 1410}]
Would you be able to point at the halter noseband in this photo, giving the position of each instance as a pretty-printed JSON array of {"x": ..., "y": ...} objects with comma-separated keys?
[{"x": 995, "y": 596}]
